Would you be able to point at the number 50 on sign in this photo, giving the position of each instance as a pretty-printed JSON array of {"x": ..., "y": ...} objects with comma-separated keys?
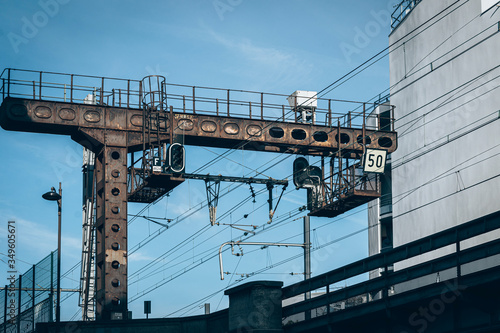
[{"x": 374, "y": 160}]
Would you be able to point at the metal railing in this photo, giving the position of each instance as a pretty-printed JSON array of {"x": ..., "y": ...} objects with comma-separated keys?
[
  {"x": 402, "y": 11},
  {"x": 326, "y": 303},
  {"x": 128, "y": 93}
]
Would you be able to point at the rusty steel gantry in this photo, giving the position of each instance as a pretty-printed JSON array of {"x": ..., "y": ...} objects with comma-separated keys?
[{"x": 131, "y": 116}]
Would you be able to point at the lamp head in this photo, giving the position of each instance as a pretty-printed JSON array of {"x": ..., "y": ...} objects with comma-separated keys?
[{"x": 52, "y": 195}]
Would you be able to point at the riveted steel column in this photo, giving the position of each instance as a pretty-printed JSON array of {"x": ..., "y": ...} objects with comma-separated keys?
[{"x": 111, "y": 173}]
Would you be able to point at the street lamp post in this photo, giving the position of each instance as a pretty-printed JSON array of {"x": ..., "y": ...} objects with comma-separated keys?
[{"x": 53, "y": 196}]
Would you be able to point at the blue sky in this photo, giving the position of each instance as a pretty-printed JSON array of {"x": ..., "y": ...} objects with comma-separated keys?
[{"x": 274, "y": 46}]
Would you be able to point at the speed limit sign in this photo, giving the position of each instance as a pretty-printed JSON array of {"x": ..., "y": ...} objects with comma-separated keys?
[{"x": 374, "y": 160}]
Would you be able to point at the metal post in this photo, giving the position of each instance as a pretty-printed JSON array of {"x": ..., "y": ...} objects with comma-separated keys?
[
  {"x": 71, "y": 90},
  {"x": 51, "y": 296},
  {"x": 102, "y": 91},
  {"x": 18, "y": 321},
  {"x": 364, "y": 128},
  {"x": 295, "y": 108},
  {"x": 330, "y": 113},
  {"x": 207, "y": 308},
  {"x": 307, "y": 258},
  {"x": 59, "y": 208},
  {"x": 5, "y": 310},
  {"x": 40, "y": 87},
  {"x": 33, "y": 299},
  {"x": 194, "y": 97},
  {"x": 140, "y": 97},
  {"x": 262, "y": 106},
  {"x": 8, "y": 82},
  {"x": 228, "y": 102},
  {"x": 128, "y": 93}
]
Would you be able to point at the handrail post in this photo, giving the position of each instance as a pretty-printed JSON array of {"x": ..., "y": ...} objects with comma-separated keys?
[
  {"x": 8, "y": 82},
  {"x": 330, "y": 113},
  {"x": 217, "y": 106},
  {"x": 283, "y": 111},
  {"x": 102, "y": 91},
  {"x": 40, "y": 87},
  {"x": 34, "y": 89},
  {"x": 295, "y": 107},
  {"x": 250, "y": 109},
  {"x": 128, "y": 93},
  {"x": 140, "y": 94},
  {"x": 393, "y": 120},
  {"x": 364, "y": 128},
  {"x": 183, "y": 104},
  {"x": 228, "y": 102},
  {"x": 71, "y": 90},
  {"x": 262, "y": 106},
  {"x": 194, "y": 109}
]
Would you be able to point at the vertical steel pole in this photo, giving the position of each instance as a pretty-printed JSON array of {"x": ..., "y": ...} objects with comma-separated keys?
[
  {"x": 51, "y": 296},
  {"x": 295, "y": 108},
  {"x": 102, "y": 91},
  {"x": 40, "y": 87},
  {"x": 364, "y": 128},
  {"x": 5, "y": 310},
  {"x": 194, "y": 97},
  {"x": 128, "y": 93},
  {"x": 140, "y": 97},
  {"x": 330, "y": 113},
  {"x": 18, "y": 321},
  {"x": 59, "y": 208},
  {"x": 71, "y": 90},
  {"x": 262, "y": 106},
  {"x": 33, "y": 299},
  {"x": 8, "y": 82},
  {"x": 307, "y": 258}
]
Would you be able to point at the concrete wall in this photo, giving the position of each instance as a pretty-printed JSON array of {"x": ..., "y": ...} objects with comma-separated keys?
[
  {"x": 445, "y": 74},
  {"x": 216, "y": 322}
]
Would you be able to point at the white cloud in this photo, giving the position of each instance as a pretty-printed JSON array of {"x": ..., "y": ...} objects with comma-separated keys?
[{"x": 277, "y": 66}]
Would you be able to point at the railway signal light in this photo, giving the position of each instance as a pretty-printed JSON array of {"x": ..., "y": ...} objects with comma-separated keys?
[{"x": 176, "y": 158}]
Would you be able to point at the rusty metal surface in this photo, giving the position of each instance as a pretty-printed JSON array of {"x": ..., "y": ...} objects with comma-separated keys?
[
  {"x": 113, "y": 125},
  {"x": 200, "y": 130},
  {"x": 111, "y": 256},
  {"x": 346, "y": 189}
]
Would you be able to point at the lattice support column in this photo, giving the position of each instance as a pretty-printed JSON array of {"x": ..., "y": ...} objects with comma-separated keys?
[{"x": 111, "y": 228}]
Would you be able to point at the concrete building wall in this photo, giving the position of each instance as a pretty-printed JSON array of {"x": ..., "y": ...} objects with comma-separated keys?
[{"x": 445, "y": 76}]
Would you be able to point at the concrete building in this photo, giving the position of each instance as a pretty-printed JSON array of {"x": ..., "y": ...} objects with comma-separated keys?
[{"x": 445, "y": 77}]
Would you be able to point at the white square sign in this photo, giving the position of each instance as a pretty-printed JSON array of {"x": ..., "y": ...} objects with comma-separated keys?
[
  {"x": 374, "y": 160},
  {"x": 156, "y": 164}
]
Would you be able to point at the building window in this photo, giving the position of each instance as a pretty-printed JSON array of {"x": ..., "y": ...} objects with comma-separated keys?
[{"x": 487, "y": 4}]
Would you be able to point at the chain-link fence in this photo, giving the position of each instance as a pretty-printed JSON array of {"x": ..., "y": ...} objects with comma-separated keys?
[{"x": 30, "y": 298}]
